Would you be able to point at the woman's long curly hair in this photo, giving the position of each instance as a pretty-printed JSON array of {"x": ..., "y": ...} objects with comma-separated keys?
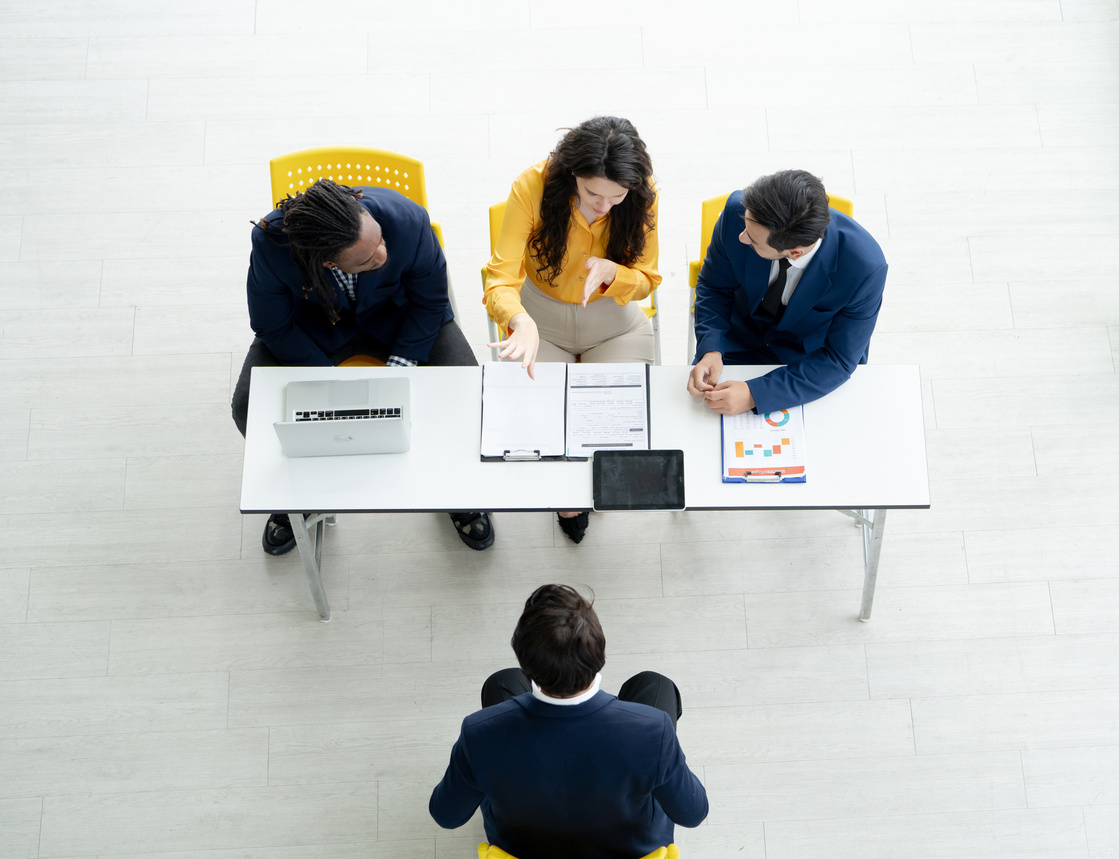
[
  {"x": 319, "y": 224},
  {"x": 605, "y": 147}
]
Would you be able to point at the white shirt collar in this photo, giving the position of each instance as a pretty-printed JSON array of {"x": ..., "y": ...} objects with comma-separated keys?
[
  {"x": 806, "y": 257},
  {"x": 539, "y": 695}
]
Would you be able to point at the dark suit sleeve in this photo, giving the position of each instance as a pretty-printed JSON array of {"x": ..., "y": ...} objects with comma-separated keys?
[
  {"x": 425, "y": 287},
  {"x": 272, "y": 305},
  {"x": 457, "y": 796},
  {"x": 717, "y": 285},
  {"x": 680, "y": 793},
  {"x": 823, "y": 370}
]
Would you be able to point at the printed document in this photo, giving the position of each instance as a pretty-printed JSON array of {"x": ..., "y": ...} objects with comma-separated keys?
[
  {"x": 607, "y": 408},
  {"x": 765, "y": 448}
]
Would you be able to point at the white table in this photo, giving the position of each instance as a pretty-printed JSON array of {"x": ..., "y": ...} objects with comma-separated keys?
[{"x": 865, "y": 446}]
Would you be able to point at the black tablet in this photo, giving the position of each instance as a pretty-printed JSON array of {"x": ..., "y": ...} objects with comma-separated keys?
[{"x": 638, "y": 480}]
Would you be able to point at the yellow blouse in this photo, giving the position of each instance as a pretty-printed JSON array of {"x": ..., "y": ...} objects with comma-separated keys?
[{"x": 512, "y": 257}]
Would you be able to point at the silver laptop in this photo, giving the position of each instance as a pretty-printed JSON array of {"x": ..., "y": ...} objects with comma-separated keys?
[{"x": 335, "y": 417}]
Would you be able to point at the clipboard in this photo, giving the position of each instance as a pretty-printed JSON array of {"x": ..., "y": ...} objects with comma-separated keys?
[
  {"x": 566, "y": 414},
  {"x": 523, "y": 420},
  {"x": 764, "y": 448}
]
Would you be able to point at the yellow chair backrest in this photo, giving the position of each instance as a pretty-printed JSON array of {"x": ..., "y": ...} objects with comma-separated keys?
[
  {"x": 497, "y": 213},
  {"x": 841, "y": 204},
  {"x": 350, "y": 165},
  {"x": 713, "y": 207},
  {"x": 489, "y": 851}
]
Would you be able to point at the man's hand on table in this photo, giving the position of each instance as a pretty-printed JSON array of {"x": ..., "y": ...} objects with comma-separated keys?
[{"x": 726, "y": 398}]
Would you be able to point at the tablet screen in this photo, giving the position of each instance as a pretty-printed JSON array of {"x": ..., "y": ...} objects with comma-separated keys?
[{"x": 638, "y": 480}]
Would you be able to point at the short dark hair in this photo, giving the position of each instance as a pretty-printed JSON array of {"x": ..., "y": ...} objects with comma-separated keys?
[
  {"x": 558, "y": 641},
  {"x": 792, "y": 205}
]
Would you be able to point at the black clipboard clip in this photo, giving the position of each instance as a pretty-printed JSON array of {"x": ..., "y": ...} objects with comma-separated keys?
[
  {"x": 775, "y": 477},
  {"x": 521, "y": 455}
]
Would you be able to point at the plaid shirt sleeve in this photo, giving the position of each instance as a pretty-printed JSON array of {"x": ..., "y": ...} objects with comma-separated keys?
[{"x": 397, "y": 361}]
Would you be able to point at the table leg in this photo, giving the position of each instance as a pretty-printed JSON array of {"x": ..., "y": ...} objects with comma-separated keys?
[
  {"x": 872, "y": 528},
  {"x": 871, "y": 523},
  {"x": 312, "y": 555}
]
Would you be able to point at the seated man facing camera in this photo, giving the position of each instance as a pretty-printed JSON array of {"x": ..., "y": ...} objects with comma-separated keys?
[
  {"x": 337, "y": 272},
  {"x": 559, "y": 767},
  {"x": 787, "y": 281}
]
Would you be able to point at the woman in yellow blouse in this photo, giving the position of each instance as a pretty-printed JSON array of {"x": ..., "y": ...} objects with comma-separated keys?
[{"x": 577, "y": 251}]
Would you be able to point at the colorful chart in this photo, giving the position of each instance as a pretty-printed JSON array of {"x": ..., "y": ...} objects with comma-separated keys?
[
  {"x": 784, "y": 419},
  {"x": 760, "y": 450}
]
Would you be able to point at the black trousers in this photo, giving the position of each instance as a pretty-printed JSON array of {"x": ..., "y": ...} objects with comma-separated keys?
[{"x": 648, "y": 687}]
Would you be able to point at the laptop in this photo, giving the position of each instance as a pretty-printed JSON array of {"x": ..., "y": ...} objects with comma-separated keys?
[{"x": 335, "y": 417}]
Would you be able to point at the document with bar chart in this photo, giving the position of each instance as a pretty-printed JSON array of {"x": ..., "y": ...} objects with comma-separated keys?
[{"x": 765, "y": 448}]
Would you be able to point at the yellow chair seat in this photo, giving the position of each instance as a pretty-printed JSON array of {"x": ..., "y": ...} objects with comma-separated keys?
[
  {"x": 491, "y": 851},
  {"x": 362, "y": 361}
]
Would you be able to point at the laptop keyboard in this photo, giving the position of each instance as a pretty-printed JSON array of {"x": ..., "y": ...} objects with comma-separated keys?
[{"x": 348, "y": 414}]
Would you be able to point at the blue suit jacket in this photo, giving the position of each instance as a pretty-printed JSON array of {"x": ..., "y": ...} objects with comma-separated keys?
[
  {"x": 403, "y": 304},
  {"x": 825, "y": 330},
  {"x": 605, "y": 778}
]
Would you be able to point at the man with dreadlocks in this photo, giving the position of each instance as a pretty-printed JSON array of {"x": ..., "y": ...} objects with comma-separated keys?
[{"x": 337, "y": 272}]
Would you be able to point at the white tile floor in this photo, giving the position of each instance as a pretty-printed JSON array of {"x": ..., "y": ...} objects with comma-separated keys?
[{"x": 165, "y": 689}]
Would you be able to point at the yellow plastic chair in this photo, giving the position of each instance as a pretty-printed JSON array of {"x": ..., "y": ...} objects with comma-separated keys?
[
  {"x": 354, "y": 165},
  {"x": 490, "y": 851},
  {"x": 712, "y": 208},
  {"x": 497, "y": 213}
]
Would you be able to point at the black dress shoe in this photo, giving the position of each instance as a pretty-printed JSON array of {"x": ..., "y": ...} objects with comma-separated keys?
[
  {"x": 575, "y": 527},
  {"x": 474, "y": 529},
  {"x": 278, "y": 538}
]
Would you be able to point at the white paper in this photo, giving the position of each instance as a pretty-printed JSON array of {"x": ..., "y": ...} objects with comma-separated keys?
[
  {"x": 522, "y": 417},
  {"x": 607, "y": 408}
]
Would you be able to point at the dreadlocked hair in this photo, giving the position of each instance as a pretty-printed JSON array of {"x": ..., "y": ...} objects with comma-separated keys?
[
  {"x": 605, "y": 147},
  {"x": 320, "y": 223}
]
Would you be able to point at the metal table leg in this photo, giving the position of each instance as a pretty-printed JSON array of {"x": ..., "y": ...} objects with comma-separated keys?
[
  {"x": 872, "y": 523},
  {"x": 311, "y": 553}
]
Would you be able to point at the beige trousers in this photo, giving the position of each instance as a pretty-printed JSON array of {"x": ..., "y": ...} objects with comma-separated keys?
[{"x": 600, "y": 333}]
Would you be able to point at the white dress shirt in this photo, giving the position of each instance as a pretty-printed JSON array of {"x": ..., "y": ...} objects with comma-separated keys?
[{"x": 796, "y": 269}]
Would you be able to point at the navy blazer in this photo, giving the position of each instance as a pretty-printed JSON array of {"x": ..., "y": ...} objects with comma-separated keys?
[
  {"x": 604, "y": 779},
  {"x": 403, "y": 304},
  {"x": 825, "y": 330}
]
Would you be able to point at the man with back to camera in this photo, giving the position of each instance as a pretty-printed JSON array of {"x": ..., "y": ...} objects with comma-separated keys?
[
  {"x": 786, "y": 281},
  {"x": 559, "y": 767},
  {"x": 337, "y": 272}
]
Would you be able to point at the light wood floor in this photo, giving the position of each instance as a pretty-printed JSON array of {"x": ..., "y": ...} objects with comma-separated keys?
[{"x": 165, "y": 689}]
